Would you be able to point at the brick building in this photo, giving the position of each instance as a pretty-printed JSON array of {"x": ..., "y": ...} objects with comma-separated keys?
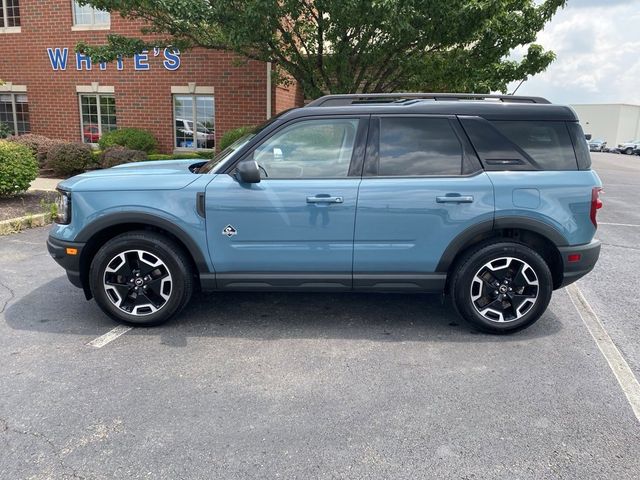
[{"x": 187, "y": 99}]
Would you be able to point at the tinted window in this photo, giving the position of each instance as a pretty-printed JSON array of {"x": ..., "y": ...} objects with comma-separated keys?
[
  {"x": 580, "y": 145},
  {"x": 309, "y": 149},
  {"x": 547, "y": 143},
  {"x": 418, "y": 146}
]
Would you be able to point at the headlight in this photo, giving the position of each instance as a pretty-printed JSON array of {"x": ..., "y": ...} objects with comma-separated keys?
[{"x": 63, "y": 205}]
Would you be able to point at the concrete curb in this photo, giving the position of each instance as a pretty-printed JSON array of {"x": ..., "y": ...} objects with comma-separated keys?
[{"x": 15, "y": 225}]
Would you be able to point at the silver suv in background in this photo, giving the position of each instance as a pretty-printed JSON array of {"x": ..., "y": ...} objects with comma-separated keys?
[
  {"x": 597, "y": 145},
  {"x": 629, "y": 147}
]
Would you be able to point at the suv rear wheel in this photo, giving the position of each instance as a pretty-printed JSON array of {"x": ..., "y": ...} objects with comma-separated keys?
[
  {"x": 502, "y": 287},
  {"x": 141, "y": 278}
]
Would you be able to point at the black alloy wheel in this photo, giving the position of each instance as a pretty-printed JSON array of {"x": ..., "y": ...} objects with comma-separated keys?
[
  {"x": 501, "y": 286},
  {"x": 141, "y": 278}
]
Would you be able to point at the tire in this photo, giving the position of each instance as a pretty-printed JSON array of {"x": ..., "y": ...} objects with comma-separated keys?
[
  {"x": 524, "y": 287},
  {"x": 628, "y": 151},
  {"x": 149, "y": 262}
]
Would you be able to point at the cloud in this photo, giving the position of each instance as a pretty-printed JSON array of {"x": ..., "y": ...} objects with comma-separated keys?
[{"x": 598, "y": 54}]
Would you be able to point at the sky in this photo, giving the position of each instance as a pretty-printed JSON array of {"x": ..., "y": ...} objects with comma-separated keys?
[{"x": 597, "y": 43}]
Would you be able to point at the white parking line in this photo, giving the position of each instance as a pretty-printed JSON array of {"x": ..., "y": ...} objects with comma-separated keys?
[
  {"x": 108, "y": 337},
  {"x": 619, "y": 224},
  {"x": 618, "y": 364}
]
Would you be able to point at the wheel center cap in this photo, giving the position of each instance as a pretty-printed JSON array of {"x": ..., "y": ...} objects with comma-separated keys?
[
  {"x": 503, "y": 289},
  {"x": 139, "y": 282}
]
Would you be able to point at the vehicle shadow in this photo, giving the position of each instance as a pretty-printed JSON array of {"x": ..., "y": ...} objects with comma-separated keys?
[{"x": 56, "y": 308}]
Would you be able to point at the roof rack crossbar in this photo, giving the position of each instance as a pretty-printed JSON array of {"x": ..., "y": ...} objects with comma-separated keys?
[{"x": 367, "y": 98}]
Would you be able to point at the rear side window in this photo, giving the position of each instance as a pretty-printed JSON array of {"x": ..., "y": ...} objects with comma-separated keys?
[
  {"x": 414, "y": 146},
  {"x": 547, "y": 143},
  {"x": 580, "y": 145}
]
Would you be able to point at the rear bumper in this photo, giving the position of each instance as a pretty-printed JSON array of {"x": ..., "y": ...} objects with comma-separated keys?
[
  {"x": 575, "y": 270},
  {"x": 71, "y": 263}
]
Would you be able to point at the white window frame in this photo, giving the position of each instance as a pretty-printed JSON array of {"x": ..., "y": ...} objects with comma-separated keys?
[
  {"x": 97, "y": 91},
  {"x": 5, "y": 12},
  {"x": 191, "y": 90},
  {"x": 76, "y": 27},
  {"x": 15, "y": 90}
]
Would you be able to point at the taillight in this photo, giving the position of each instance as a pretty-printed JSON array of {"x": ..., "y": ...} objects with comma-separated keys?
[{"x": 596, "y": 204}]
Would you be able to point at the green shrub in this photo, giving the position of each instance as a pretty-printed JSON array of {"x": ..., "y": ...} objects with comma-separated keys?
[
  {"x": 232, "y": 135},
  {"x": 5, "y": 130},
  {"x": 96, "y": 160},
  {"x": 18, "y": 168},
  {"x": 159, "y": 156},
  {"x": 180, "y": 156},
  {"x": 204, "y": 155},
  {"x": 132, "y": 138},
  {"x": 68, "y": 159},
  {"x": 118, "y": 155},
  {"x": 39, "y": 145}
]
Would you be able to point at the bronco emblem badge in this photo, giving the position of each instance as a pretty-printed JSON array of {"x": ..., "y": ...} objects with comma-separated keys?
[{"x": 229, "y": 231}]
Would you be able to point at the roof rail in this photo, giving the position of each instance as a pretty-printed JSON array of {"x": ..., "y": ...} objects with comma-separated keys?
[{"x": 368, "y": 98}]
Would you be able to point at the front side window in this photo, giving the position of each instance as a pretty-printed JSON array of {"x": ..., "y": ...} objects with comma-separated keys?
[
  {"x": 309, "y": 149},
  {"x": 417, "y": 146},
  {"x": 87, "y": 16},
  {"x": 9, "y": 14},
  {"x": 98, "y": 116},
  {"x": 194, "y": 121},
  {"x": 14, "y": 112},
  {"x": 547, "y": 143}
]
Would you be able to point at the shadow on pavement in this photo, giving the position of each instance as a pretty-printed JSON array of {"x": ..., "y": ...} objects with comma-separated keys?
[{"x": 55, "y": 307}]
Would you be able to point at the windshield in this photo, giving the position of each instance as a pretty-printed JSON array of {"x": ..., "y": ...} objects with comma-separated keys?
[{"x": 237, "y": 145}]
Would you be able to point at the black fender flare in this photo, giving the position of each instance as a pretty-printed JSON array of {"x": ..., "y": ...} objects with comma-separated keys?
[
  {"x": 120, "y": 218},
  {"x": 465, "y": 238}
]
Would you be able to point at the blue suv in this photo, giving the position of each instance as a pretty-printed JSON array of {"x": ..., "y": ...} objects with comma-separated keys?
[{"x": 489, "y": 199}]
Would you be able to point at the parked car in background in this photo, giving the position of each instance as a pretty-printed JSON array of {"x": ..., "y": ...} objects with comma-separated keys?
[
  {"x": 204, "y": 136},
  {"x": 91, "y": 133},
  {"x": 628, "y": 147},
  {"x": 636, "y": 151},
  {"x": 597, "y": 145}
]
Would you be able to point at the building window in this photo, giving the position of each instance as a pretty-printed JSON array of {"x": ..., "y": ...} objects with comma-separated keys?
[
  {"x": 98, "y": 116},
  {"x": 9, "y": 14},
  {"x": 86, "y": 16},
  {"x": 14, "y": 111},
  {"x": 194, "y": 121}
]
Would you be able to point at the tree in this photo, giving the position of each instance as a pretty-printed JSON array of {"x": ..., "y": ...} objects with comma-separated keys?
[{"x": 348, "y": 46}]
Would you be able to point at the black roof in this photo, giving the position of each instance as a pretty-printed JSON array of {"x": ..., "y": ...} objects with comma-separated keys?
[{"x": 491, "y": 107}]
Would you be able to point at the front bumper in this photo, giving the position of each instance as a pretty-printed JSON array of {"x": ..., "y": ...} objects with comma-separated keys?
[
  {"x": 62, "y": 252},
  {"x": 574, "y": 270}
]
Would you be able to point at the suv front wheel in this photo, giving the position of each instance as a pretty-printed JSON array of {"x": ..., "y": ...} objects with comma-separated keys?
[
  {"x": 502, "y": 287},
  {"x": 141, "y": 278}
]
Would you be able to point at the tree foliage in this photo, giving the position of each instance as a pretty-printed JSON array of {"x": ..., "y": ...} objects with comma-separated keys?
[{"x": 347, "y": 46}]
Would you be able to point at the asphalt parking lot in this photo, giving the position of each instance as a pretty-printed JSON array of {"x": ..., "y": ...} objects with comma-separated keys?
[{"x": 321, "y": 385}]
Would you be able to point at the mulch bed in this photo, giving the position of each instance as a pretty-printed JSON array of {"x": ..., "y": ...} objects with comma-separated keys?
[{"x": 29, "y": 203}]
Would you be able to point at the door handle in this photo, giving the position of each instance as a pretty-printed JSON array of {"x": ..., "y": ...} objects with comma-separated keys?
[
  {"x": 455, "y": 198},
  {"x": 327, "y": 199}
]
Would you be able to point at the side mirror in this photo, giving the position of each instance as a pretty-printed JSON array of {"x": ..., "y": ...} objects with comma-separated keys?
[{"x": 248, "y": 172}]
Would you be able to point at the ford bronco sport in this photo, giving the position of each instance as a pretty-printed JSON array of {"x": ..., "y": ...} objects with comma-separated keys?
[{"x": 490, "y": 199}]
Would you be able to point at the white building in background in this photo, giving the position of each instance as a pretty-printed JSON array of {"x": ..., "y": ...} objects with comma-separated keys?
[{"x": 614, "y": 123}]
